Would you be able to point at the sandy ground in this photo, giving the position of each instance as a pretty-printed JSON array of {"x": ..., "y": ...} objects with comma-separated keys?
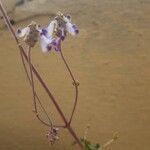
[{"x": 110, "y": 58}]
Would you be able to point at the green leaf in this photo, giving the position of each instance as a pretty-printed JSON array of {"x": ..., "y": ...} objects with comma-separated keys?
[{"x": 88, "y": 146}]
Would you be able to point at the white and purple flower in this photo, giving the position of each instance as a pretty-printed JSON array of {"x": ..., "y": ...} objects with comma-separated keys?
[{"x": 51, "y": 36}]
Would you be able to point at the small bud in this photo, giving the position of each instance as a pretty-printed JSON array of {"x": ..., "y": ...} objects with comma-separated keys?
[{"x": 52, "y": 135}]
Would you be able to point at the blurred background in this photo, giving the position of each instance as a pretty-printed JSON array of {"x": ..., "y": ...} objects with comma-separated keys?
[{"x": 110, "y": 58}]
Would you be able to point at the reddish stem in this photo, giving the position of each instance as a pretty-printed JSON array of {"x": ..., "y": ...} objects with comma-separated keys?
[
  {"x": 49, "y": 125},
  {"x": 74, "y": 83},
  {"x": 32, "y": 80},
  {"x": 38, "y": 117},
  {"x": 39, "y": 78},
  {"x": 53, "y": 100}
]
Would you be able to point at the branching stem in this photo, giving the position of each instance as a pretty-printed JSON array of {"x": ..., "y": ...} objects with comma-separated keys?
[{"x": 70, "y": 129}]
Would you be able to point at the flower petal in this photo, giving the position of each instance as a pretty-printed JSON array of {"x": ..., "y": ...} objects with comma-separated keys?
[
  {"x": 71, "y": 28},
  {"x": 67, "y": 18},
  {"x": 56, "y": 44},
  {"x": 51, "y": 27},
  {"x": 22, "y": 32},
  {"x": 45, "y": 43}
]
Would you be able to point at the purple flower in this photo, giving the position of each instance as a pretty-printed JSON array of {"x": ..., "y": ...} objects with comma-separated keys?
[
  {"x": 61, "y": 25},
  {"x": 52, "y": 135},
  {"x": 45, "y": 43},
  {"x": 56, "y": 31},
  {"x": 53, "y": 34}
]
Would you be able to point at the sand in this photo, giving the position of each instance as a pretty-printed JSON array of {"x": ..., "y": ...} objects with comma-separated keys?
[{"x": 110, "y": 58}]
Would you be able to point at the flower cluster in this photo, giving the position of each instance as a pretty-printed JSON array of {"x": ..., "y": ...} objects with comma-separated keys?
[
  {"x": 52, "y": 135},
  {"x": 50, "y": 36},
  {"x": 30, "y": 34}
]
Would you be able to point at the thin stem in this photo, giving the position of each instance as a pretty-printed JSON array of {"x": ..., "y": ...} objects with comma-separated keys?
[
  {"x": 39, "y": 78},
  {"x": 10, "y": 27},
  {"x": 49, "y": 125},
  {"x": 32, "y": 80},
  {"x": 72, "y": 132},
  {"x": 74, "y": 83},
  {"x": 45, "y": 87},
  {"x": 38, "y": 117},
  {"x": 107, "y": 144},
  {"x": 6, "y": 19}
]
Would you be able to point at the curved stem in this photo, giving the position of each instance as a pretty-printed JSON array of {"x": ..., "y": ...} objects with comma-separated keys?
[
  {"x": 38, "y": 117},
  {"x": 72, "y": 132},
  {"x": 74, "y": 83},
  {"x": 32, "y": 80},
  {"x": 31, "y": 85}
]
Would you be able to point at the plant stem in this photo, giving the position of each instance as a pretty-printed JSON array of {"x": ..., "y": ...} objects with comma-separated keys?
[
  {"x": 74, "y": 83},
  {"x": 54, "y": 101},
  {"x": 49, "y": 125},
  {"x": 32, "y": 80},
  {"x": 38, "y": 99},
  {"x": 72, "y": 132}
]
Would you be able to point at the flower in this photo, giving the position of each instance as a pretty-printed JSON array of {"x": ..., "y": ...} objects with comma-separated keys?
[
  {"x": 22, "y": 32},
  {"x": 61, "y": 25},
  {"x": 52, "y": 135},
  {"x": 50, "y": 36},
  {"x": 56, "y": 31},
  {"x": 29, "y": 33}
]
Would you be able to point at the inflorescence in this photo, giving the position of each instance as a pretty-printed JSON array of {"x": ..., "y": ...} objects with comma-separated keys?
[{"x": 50, "y": 36}]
